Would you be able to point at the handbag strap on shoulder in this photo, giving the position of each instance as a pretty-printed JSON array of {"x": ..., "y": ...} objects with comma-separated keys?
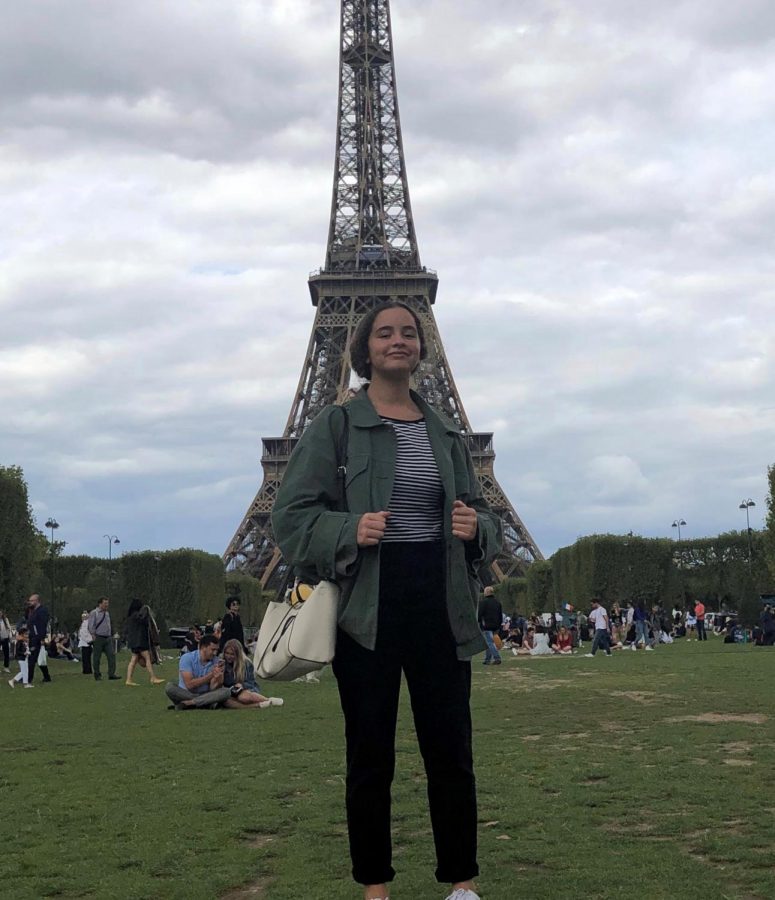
[{"x": 341, "y": 458}]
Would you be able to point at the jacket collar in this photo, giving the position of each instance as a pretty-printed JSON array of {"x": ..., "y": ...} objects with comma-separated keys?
[{"x": 363, "y": 414}]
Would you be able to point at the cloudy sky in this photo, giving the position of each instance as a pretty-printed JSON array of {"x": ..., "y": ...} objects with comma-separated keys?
[{"x": 593, "y": 181}]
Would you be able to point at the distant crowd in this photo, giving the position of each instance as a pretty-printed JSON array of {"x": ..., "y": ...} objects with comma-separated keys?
[{"x": 630, "y": 627}]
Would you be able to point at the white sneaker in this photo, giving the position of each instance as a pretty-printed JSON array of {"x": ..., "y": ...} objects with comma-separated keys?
[
  {"x": 633, "y": 647},
  {"x": 650, "y": 648},
  {"x": 463, "y": 894},
  {"x": 271, "y": 701},
  {"x": 12, "y": 683},
  {"x": 29, "y": 685},
  {"x": 590, "y": 655}
]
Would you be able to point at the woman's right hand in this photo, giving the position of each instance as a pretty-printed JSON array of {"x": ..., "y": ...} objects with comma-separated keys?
[{"x": 371, "y": 528}]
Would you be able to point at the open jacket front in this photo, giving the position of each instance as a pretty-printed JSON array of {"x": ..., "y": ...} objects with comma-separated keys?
[{"x": 319, "y": 539}]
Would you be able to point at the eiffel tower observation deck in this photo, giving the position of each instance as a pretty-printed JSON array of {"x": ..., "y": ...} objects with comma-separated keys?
[{"x": 371, "y": 257}]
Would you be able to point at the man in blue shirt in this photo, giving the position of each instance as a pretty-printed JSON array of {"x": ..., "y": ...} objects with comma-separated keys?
[{"x": 200, "y": 679}]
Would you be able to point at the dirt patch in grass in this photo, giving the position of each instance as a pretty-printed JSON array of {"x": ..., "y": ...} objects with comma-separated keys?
[
  {"x": 722, "y": 718},
  {"x": 256, "y": 888},
  {"x": 645, "y": 697},
  {"x": 732, "y": 747},
  {"x": 259, "y": 840},
  {"x": 530, "y": 867},
  {"x": 551, "y": 685},
  {"x": 614, "y": 727},
  {"x": 532, "y": 737},
  {"x": 618, "y": 827},
  {"x": 738, "y": 762}
]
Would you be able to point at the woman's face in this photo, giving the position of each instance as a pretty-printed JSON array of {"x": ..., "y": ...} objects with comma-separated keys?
[
  {"x": 229, "y": 655},
  {"x": 394, "y": 345}
]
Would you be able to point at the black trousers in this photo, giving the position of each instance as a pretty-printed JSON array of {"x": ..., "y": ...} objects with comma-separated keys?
[
  {"x": 701, "y": 635},
  {"x": 32, "y": 660},
  {"x": 413, "y": 636},
  {"x": 6, "y": 645},
  {"x": 86, "y": 659}
]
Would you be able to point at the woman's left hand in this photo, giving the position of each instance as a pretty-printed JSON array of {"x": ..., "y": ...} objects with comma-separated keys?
[{"x": 464, "y": 521}]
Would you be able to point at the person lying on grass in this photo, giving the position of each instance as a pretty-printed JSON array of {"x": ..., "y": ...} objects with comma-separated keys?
[{"x": 240, "y": 676}]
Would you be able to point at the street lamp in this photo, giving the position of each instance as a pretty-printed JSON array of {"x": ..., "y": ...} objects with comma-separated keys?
[
  {"x": 746, "y": 505},
  {"x": 112, "y": 539},
  {"x": 53, "y": 525},
  {"x": 677, "y": 524}
]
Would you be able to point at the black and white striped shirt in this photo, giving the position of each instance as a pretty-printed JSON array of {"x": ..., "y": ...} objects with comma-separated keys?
[{"x": 417, "y": 502}]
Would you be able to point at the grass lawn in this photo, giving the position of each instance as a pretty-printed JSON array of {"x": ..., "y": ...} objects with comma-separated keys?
[{"x": 647, "y": 775}]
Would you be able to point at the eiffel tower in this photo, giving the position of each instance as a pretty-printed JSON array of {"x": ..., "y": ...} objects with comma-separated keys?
[{"x": 371, "y": 257}]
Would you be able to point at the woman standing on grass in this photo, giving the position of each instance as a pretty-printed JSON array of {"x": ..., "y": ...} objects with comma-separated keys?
[
  {"x": 414, "y": 534},
  {"x": 5, "y": 641},
  {"x": 140, "y": 628}
]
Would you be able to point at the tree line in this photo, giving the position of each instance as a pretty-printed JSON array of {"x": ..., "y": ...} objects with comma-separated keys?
[{"x": 187, "y": 585}]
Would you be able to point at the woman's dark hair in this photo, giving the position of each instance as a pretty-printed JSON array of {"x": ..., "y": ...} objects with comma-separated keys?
[
  {"x": 135, "y": 605},
  {"x": 359, "y": 346}
]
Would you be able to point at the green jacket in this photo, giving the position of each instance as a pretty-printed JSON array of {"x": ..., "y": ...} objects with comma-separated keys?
[{"x": 320, "y": 541}]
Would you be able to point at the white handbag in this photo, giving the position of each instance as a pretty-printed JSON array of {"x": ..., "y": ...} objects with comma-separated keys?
[{"x": 298, "y": 638}]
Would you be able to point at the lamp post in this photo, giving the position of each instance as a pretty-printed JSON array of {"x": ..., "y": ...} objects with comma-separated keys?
[
  {"x": 53, "y": 525},
  {"x": 677, "y": 524},
  {"x": 746, "y": 505},
  {"x": 112, "y": 539}
]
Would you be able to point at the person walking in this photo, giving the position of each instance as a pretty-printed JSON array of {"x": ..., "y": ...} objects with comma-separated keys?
[
  {"x": 102, "y": 639},
  {"x": 5, "y": 641},
  {"x": 140, "y": 627},
  {"x": 21, "y": 654},
  {"x": 407, "y": 546},
  {"x": 490, "y": 618},
  {"x": 85, "y": 644},
  {"x": 641, "y": 619},
  {"x": 599, "y": 618},
  {"x": 37, "y": 623}
]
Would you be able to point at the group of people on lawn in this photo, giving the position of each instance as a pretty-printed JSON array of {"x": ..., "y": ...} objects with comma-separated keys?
[
  {"x": 33, "y": 642},
  {"x": 214, "y": 671},
  {"x": 630, "y": 627}
]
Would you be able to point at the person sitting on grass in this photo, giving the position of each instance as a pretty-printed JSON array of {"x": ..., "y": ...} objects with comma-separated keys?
[
  {"x": 528, "y": 643},
  {"x": 514, "y": 639},
  {"x": 200, "y": 683},
  {"x": 59, "y": 647},
  {"x": 563, "y": 643},
  {"x": 191, "y": 640},
  {"x": 239, "y": 675}
]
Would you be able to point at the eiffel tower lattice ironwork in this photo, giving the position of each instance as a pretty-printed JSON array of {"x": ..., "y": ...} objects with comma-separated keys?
[{"x": 372, "y": 257}]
